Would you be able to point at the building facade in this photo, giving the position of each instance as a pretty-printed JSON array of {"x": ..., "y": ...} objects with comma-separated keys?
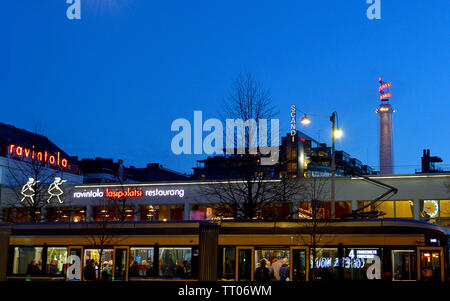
[{"x": 419, "y": 197}]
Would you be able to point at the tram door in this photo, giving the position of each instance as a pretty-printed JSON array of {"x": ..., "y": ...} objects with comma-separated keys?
[
  {"x": 74, "y": 264},
  {"x": 299, "y": 264},
  {"x": 430, "y": 263},
  {"x": 120, "y": 271},
  {"x": 244, "y": 263}
]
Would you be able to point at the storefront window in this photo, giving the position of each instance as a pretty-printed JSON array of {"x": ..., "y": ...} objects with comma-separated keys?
[
  {"x": 218, "y": 211},
  {"x": 387, "y": 207},
  {"x": 147, "y": 212},
  {"x": 306, "y": 212},
  {"x": 27, "y": 260},
  {"x": 65, "y": 214},
  {"x": 435, "y": 211},
  {"x": 175, "y": 262},
  {"x": 343, "y": 208},
  {"x": 197, "y": 212},
  {"x": 102, "y": 213},
  {"x": 161, "y": 213},
  {"x": 141, "y": 262},
  {"x": 176, "y": 212},
  {"x": 404, "y": 265},
  {"x": 56, "y": 261},
  {"x": 404, "y": 209}
]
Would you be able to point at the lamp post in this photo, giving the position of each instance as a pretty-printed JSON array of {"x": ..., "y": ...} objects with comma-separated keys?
[{"x": 336, "y": 133}]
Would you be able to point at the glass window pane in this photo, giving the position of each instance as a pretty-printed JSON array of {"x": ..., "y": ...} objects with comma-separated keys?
[
  {"x": 229, "y": 263},
  {"x": 429, "y": 209},
  {"x": 404, "y": 209},
  {"x": 324, "y": 263},
  {"x": 197, "y": 212},
  {"x": 387, "y": 207},
  {"x": 161, "y": 213},
  {"x": 27, "y": 260},
  {"x": 404, "y": 265},
  {"x": 56, "y": 261},
  {"x": 120, "y": 264},
  {"x": 176, "y": 212},
  {"x": 141, "y": 262},
  {"x": 175, "y": 262},
  {"x": 147, "y": 212},
  {"x": 79, "y": 214},
  {"x": 444, "y": 206},
  {"x": 431, "y": 265},
  {"x": 299, "y": 265},
  {"x": 343, "y": 208},
  {"x": 94, "y": 265},
  {"x": 271, "y": 257}
]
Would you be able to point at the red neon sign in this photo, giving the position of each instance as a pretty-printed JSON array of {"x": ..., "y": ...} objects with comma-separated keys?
[
  {"x": 385, "y": 96},
  {"x": 118, "y": 194},
  {"x": 42, "y": 156},
  {"x": 384, "y": 86}
]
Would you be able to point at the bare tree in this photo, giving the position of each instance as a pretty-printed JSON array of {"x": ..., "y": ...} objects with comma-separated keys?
[
  {"x": 29, "y": 182},
  {"x": 314, "y": 220},
  {"x": 101, "y": 237},
  {"x": 245, "y": 192}
]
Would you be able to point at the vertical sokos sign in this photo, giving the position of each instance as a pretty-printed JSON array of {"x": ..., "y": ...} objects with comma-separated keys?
[{"x": 239, "y": 135}]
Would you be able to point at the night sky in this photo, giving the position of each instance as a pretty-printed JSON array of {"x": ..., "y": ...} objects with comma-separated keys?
[{"x": 110, "y": 84}]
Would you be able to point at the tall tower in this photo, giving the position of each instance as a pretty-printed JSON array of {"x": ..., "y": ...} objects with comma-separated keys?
[{"x": 385, "y": 129}]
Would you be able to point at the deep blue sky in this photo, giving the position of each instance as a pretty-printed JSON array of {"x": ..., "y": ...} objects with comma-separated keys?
[{"x": 111, "y": 84}]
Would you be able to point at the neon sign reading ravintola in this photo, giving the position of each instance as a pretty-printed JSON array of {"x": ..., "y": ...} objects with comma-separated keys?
[{"x": 32, "y": 154}]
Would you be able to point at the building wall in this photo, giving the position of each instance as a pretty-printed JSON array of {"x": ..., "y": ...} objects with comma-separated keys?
[{"x": 411, "y": 188}]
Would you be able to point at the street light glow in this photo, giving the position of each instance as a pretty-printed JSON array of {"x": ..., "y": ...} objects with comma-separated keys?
[
  {"x": 305, "y": 120},
  {"x": 338, "y": 133}
]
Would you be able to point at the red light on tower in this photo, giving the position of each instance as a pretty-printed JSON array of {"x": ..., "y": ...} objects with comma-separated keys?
[{"x": 384, "y": 90}]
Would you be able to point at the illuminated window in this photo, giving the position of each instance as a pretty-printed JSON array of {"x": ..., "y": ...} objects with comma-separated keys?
[
  {"x": 404, "y": 209},
  {"x": 435, "y": 211},
  {"x": 342, "y": 208},
  {"x": 323, "y": 210},
  {"x": 176, "y": 212},
  {"x": 197, "y": 212},
  {"x": 56, "y": 261},
  {"x": 141, "y": 263},
  {"x": 387, "y": 207},
  {"x": 175, "y": 262},
  {"x": 27, "y": 261}
]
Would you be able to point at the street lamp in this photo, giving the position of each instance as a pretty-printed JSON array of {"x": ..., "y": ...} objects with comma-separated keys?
[{"x": 336, "y": 133}]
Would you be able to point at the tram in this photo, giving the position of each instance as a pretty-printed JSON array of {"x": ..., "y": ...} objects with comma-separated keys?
[{"x": 294, "y": 250}]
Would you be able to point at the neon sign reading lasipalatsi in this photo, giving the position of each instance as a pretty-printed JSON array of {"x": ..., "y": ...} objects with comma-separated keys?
[{"x": 33, "y": 154}]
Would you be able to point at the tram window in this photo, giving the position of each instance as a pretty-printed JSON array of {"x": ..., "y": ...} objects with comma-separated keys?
[
  {"x": 27, "y": 261},
  {"x": 56, "y": 261},
  {"x": 175, "y": 262},
  {"x": 430, "y": 265},
  {"x": 357, "y": 262},
  {"x": 120, "y": 264},
  {"x": 229, "y": 263},
  {"x": 404, "y": 265},
  {"x": 245, "y": 265},
  {"x": 271, "y": 256},
  {"x": 141, "y": 262},
  {"x": 299, "y": 265},
  {"x": 102, "y": 265},
  {"x": 323, "y": 265}
]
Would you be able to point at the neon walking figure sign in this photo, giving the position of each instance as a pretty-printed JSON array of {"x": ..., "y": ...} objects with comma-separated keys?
[
  {"x": 28, "y": 191},
  {"x": 55, "y": 191}
]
